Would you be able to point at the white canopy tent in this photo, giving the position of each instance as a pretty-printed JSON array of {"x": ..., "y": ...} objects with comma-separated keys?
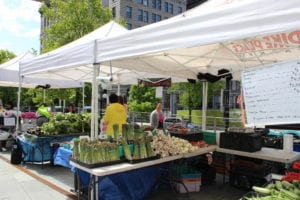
[
  {"x": 233, "y": 36},
  {"x": 10, "y": 77},
  {"x": 10, "y": 73},
  {"x": 76, "y": 62}
]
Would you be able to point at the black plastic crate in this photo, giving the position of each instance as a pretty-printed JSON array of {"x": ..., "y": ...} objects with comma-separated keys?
[
  {"x": 272, "y": 141},
  {"x": 245, "y": 181},
  {"x": 246, "y": 177},
  {"x": 248, "y": 142},
  {"x": 260, "y": 171},
  {"x": 191, "y": 137}
]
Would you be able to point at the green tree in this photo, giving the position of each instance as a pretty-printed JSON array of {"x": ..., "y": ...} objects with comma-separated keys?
[
  {"x": 190, "y": 94},
  {"x": 6, "y": 55},
  {"x": 142, "y": 99},
  {"x": 70, "y": 20}
]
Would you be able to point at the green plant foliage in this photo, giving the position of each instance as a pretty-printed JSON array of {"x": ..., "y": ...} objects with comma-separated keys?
[
  {"x": 70, "y": 20},
  {"x": 6, "y": 55},
  {"x": 142, "y": 99},
  {"x": 68, "y": 123}
]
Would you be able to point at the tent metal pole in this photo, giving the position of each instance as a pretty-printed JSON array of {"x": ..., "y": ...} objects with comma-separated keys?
[
  {"x": 94, "y": 111},
  {"x": 19, "y": 100},
  {"x": 93, "y": 103},
  {"x": 204, "y": 104},
  {"x": 83, "y": 92},
  {"x": 44, "y": 95}
]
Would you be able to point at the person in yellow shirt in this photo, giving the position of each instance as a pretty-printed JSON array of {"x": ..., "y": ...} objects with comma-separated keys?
[{"x": 114, "y": 114}]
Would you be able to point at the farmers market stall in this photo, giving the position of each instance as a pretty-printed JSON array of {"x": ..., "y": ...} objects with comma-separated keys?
[
  {"x": 139, "y": 169},
  {"x": 38, "y": 143}
]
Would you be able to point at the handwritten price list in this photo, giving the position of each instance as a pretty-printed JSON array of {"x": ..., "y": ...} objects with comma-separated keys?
[{"x": 272, "y": 94}]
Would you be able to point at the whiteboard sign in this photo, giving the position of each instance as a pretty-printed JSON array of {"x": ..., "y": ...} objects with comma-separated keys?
[
  {"x": 272, "y": 94},
  {"x": 9, "y": 121}
]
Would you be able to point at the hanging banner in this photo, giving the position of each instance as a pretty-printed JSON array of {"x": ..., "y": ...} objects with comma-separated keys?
[{"x": 155, "y": 82}]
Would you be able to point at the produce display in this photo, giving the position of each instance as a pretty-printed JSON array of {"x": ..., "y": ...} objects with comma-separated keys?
[
  {"x": 166, "y": 145},
  {"x": 67, "y": 123},
  {"x": 128, "y": 132},
  {"x": 94, "y": 151},
  {"x": 141, "y": 148},
  {"x": 278, "y": 190}
]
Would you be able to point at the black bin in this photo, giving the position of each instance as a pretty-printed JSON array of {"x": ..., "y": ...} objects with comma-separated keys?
[{"x": 16, "y": 154}]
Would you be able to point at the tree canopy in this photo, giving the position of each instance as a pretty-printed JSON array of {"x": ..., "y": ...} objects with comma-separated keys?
[
  {"x": 6, "y": 55},
  {"x": 70, "y": 20},
  {"x": 142, "y": 99}
]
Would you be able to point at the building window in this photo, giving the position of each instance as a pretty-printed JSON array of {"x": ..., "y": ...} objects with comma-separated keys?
[
  {"x": 145, "y": 16},
  {"x": 114, "y": 12},
  {"x": 129, "y": 26},
  {"x": 170, "y": 8},
  {"x": 166, "y": 6},
  {"x": 158, "y": 18},
  {"x": 153, "y": 3},
  {"x": 128, "y": 12},
  {"x": 153, "y": 18},
  {"x": 179, "y": 10},
  {"x": 145, "y": 2},
  {"x": 140, "y": 15},
  {"x": 158, "y": 5}
]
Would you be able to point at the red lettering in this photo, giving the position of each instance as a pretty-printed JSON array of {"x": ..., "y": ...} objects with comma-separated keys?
[
  {"x": 285, "y": 39},
  {"x": 294, "y": 37},
  {"x": 277, "y": 41},
  {"x": 248, "y": 47},
  {"x": 267, "y": 42},
  {"x": 256, "y": 44},
  {"x": 237, "y": 48}
]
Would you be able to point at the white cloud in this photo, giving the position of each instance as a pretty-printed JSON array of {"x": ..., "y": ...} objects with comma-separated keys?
[{"x": 20, "y": 17}]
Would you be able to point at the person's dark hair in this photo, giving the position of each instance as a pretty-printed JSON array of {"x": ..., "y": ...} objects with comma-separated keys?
[
  {"x": 113, "y": 98},
  {"x": 71, "y": 105},
  {"x": 121, "y": 100},
  {"x": 10, "y": 105}
]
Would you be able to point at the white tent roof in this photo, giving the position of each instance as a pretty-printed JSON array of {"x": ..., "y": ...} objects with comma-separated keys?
[
  {"x": 74, "y": 61},
  {"x": 9, "y": 76},
  {"x": 234, "y": 35}
]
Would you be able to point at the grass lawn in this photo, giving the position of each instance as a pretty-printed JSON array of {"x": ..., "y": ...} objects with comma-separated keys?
[{"x": 213, "y": 116}]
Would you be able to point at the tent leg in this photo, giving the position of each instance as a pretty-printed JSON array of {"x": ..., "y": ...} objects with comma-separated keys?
[{"x": 204, "y": 104}]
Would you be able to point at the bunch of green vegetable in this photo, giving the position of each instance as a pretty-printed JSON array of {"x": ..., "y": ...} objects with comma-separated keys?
[
  {"x": 76, "y": 142},
  {"x": 116, "y": 132},
  {"x": 279, "y": 190},
  {"x": 94, "y": 151},
  {"x": 68, "y": 123},
  {"x": 126, "y": 149},
  {"x": 150, "y": 151},
  {"x": 136, "y": 150}
]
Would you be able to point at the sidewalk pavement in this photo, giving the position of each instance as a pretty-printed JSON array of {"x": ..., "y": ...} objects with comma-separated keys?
[{"x": 17, "y": 182}]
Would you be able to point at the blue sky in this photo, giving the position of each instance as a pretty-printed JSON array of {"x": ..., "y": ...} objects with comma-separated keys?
[{"x": 19, "y": 25}]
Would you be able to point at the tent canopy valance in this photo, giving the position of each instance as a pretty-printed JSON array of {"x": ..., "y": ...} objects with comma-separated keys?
[{"x": 10, "y": 75}]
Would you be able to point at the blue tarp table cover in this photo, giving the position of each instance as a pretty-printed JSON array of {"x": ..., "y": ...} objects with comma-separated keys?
[
  {"x": 135, "y": 184},
  {"x": 41, "y": 149},
  {"x": 61, "y": 157}
]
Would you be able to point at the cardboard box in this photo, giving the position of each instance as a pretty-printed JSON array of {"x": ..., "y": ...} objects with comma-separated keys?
[{"x": 191, "y": 186}]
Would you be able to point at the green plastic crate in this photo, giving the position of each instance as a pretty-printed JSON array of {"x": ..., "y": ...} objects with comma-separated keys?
[{"x": 209, "y": 137}]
